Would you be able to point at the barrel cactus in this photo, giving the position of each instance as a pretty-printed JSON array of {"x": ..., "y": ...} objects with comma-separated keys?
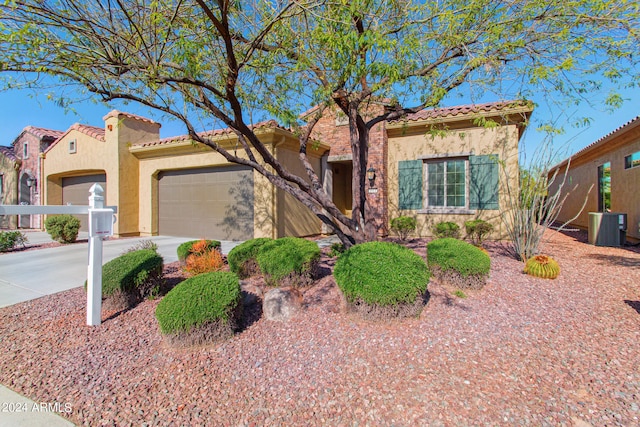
[{"x": 542, "y": 266}]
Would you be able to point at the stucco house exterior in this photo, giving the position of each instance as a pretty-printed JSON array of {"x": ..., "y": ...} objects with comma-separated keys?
[
  {"x": 610, "y": 166},
  {"x": 448, "y": 164},
  {"x": 9, "y": 178}
]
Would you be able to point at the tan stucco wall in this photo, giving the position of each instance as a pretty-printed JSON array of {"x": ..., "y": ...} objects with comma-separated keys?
[
  {"x": 111, "y": 157},
  {"x": 293, "y": 218},
  {"x": 9, "y": 170},
  {"x": 625, "y": 184},
  {"x": 411, "y": 144}
]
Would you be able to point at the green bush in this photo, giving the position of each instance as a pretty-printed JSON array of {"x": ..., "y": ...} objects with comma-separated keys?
[
  {"x": 403, "y": 225},
  {"x": 185, "y": 248},
  {"x": 242, "y": 258},
  {"x": 458, "y": 263},
  {"x": 477, "y": 230},
  {"x": 381, "y": 273},
  {"x": 336, "y": 249},
  {"x": 11, "y": 239},
  {"x": 205, "y": 298},
  {"x": 446, "y": 229},
  {"x": 288, "y": 261},
  {"x": 63, "y": 228},
  {"x": 135, "y": 274}
]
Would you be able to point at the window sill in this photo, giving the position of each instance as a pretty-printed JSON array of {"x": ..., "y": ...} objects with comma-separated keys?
[{"x": 450, "y": 211}]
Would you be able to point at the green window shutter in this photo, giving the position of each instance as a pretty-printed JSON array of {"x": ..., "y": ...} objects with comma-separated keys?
[
  {"x": 410, "y": 184},
  {"x": 483, "y": 182}
]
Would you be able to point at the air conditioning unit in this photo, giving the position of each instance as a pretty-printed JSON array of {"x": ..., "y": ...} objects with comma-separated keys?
[{"x": 607, "y": 228}]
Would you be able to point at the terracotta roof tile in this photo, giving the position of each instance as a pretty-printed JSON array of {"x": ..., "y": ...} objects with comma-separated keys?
[
  {"x": 208, "y": 134},
  {"x": 92, "y": 131},
  {"x": 458, "y": 110},
  {"x": 40, "y": 133},
  {"x": 116, "y": 113},
  {"x": 9, "y": 153}
]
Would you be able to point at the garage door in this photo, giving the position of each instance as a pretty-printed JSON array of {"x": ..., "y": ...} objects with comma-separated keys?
[
  {"x": 211, "y": 203},
  {"x": 75, "y": 190}
]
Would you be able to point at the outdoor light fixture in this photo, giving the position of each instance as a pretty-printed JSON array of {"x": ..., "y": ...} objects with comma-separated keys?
[
  {"x": 31, "y": 182},
  {"x": 371, "y": 175}
]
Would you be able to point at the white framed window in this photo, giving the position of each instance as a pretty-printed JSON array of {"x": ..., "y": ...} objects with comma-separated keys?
[
  {"x": 73, "y": 146},
  {"x": 447, "y": 184}
]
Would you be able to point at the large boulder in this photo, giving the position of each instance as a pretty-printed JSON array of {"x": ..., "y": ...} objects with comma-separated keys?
[{"x": 281, "y": 304}]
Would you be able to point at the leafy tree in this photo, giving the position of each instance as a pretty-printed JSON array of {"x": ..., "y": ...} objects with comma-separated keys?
[{"x": 236, "y": 63}]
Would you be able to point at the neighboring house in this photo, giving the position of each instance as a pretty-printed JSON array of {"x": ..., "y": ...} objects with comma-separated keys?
[
  {"x": 609, "y": 166},
  {"x": 28, "y": 147},
  {"x": 9, "y": 177},
  {"x": 172, "y": 186}
]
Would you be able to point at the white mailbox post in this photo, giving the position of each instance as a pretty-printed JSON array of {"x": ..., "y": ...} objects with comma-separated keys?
[{"x": 100, "y": 226}]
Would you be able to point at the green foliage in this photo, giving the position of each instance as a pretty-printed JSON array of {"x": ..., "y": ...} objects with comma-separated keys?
[
  {"x": 200, "y": 299},
  {"x": 186, "y": 248},
  {"x": 245, "y": 252},
  {"x": 287, "y": 256},
  {"x": 459, "y": 293},
  {"x": 477, "y": 229},
  {"x": 143, "y": 244},
  {"x": 446, "y": 229},
  {"x": 63, "y": 228},
  {"x": 11, "y": 239},
  {"x": 336, "y": 249},
  {"x": 134, "y": 272},
  {"x": 542, "y": 266},
  {"x": 403, "y": 225},
  {"x": 453, "y": 254},
  {"x": 381, "y": 273}
]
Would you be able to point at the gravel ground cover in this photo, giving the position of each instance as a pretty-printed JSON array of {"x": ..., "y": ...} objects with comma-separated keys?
[{"x": 521, "y": 351}]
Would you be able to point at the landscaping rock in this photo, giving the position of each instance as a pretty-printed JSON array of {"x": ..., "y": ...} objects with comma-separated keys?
[{"x": 281, "y": 304}]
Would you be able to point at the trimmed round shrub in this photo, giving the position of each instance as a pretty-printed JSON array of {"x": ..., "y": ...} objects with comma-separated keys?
[
  {"x": 477, "y": 230},
  {"x": 382, "y": 280},
  {"x": 288, "y": 261},
  {"x": 458, "y": 263},
  {"x": 446, "y": 229},
  {"x": 185, "y": 249},
  {"x": 242, "y": 258},
  {"x": 403, "y": 225},
  {"x": 129, "y": 278},
  {"x": 63, "y": 228},
  {"x": 203, "y": 309},
  {"x": 542, "y": 266}
]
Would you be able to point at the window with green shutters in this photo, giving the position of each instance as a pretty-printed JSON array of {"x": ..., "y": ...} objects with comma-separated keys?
[{"x": 452, "y": 184}]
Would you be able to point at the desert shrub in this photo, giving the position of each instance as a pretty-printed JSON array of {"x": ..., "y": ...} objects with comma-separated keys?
[
  {"x": 142, "y": 244},
  {"x": 382, "y": 279},
  {"x": 446, "y": 229},
  {"x": 458, "y": 262},
  {"x": 202, "y": 309},
  {"x": 542, "y": 266},
  {"x": 11, "y": 239},
  {"x": 131, "y": 277},
  {"x": 290, "y": 261},
  {"x": 336, "y": 249},
  {"x": 186, "y": 248},
  {"x": 204, "y": 261},
  {"x": 403, "y": 225},
  {"x": 242, "y": 258},
  {"x": 477, "y": 230},
  {"x": 63, "y": 228}
]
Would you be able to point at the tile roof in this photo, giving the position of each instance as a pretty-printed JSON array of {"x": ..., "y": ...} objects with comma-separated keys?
[
  {"x": 9, "y": 153},
  {"x": 599, "y": 142},
  {"x": 92, "y": 131},
  {"x": 460, "y": 110},
  {"x": 40, "y": 133},
  {"x": 116, "y": 113},
  {"x": 208, "y": 134}
]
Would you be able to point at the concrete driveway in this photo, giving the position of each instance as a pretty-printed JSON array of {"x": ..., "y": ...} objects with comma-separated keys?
[{"x": 32, "y": 274}]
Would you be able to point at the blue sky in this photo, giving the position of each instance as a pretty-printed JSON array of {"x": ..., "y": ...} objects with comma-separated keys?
[{"x": 21, "y": 108}]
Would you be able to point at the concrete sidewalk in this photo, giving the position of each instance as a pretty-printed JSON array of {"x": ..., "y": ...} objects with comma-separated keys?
[
  {"x": 18, "y": 411},
  {"x": 32, "y": 274}
]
